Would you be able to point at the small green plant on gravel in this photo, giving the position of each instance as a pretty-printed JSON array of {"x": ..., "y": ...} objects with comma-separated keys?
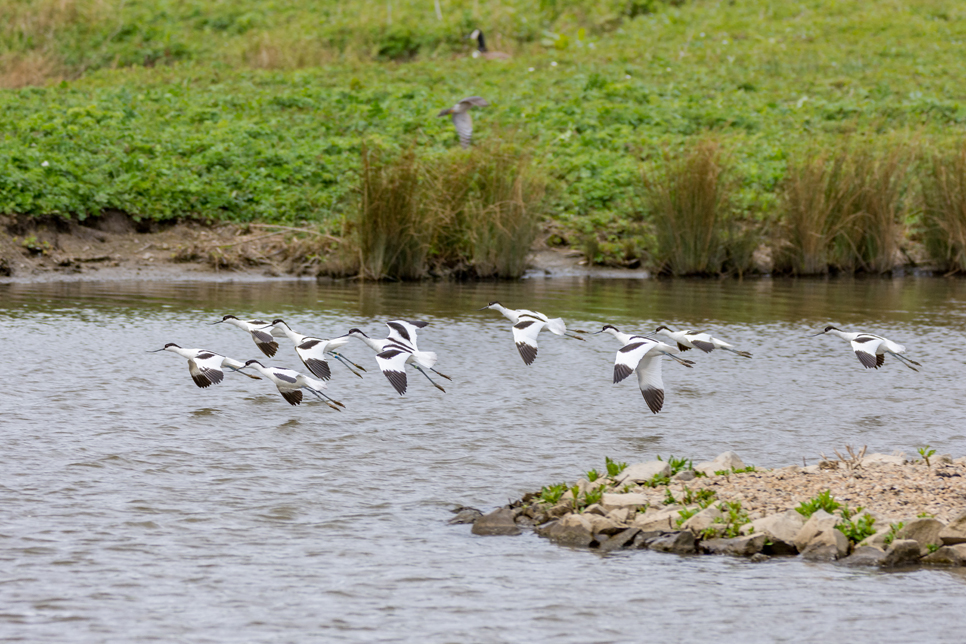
[
  {"x": 593, "y": 475},
  {"x": 669, "y": 498},
  {"x": 856, "y": 529},
  {"x": 703, "y": 498},
  {"x": 925, "y": 515},
  {"x": 684, "y": 515},
  {"x": 823, "y": 501},
  {"x": 894, "y": 529},
  {"x": 932, "y": 547},
  {"x": 575, "y": 497},
  {"x": 551, "y": 493},
  {"x": 657, "y": 481},
  {"x": 735, "y": 518},
  {"x": 643, "y": 508},
  {"x": 677, "y": 464},
  {"x": 744, "y": 470},
  {"x": 595, "y": 495},
  {"x": 926, "y": 453},
  {"x": 35, "y": 246},
  {"x": 614, "y": 468}
]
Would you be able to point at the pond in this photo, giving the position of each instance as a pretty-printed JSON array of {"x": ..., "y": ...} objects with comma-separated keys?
[{"x": 137, "y": 506}]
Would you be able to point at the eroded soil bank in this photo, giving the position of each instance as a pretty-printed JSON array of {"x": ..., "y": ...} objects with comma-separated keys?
[{"x": 878, "y": 509}]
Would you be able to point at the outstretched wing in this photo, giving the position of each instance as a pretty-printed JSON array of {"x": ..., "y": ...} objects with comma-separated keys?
[
  {"x": 649, "y": 380},
  {"x": 865, "y": 347},
  {"x": 312, "y": 353},
  {"x": 265, "y": 342},
  {"x": 205, "y": 369},
  {"x": 291, "y": 396},
  {"x": 392, "y": 362},
  {"x": 525, "y": 334},
  {"x": 556, "y": 326},
  {"x": 701, "y": 341},
  {"x": 464, "y": 127},
  {"x": 628, "y": 357},
  {"x": 404, "y": 331},
  {"x": 475, "y": 101}
]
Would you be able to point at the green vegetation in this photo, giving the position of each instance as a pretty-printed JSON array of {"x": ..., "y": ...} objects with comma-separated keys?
[
  {"x": 703, "y": 497},
  {"x": 894, "y": 529},
  {"x": 552, "y": 493},
  {"x": 823, "y": 501},
  {"x": 730, "y": 526},
  {"x": 680, "y": 136},
  {"x": 593, "y": 475},
  {"x": 856, "y": 529},
  {"x": 743, "y": 470},
  {"x": 613, "y": 468},
  {"x": 677, "y": 464},
  {"x": 926, "y": 454}
]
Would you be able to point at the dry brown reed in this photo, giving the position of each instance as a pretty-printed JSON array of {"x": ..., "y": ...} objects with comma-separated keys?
[
  {"x": 943, "y": 183},
  {"x": 689, "y": 202}
]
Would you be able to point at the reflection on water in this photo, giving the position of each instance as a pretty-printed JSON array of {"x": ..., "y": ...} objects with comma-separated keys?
[{"x": 138, "y": 506}]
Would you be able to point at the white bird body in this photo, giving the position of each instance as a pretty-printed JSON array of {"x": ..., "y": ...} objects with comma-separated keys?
[
  {"x": 206, "y": 367},
  {"x": 393, "y": 353},
  {"x": 263, "y": 339},
  {"x": 699, "y": 340},
  {"x": 290, "y": 384},
  {"x": 527, "y": 325},
  {"x": 643, "y": 355},
  {"x": 312, "y": 351},
  {"x": 871, "y": 349},
  {"x": 460, "y": 113}
]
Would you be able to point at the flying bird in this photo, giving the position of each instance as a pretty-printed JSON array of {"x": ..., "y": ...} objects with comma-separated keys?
[
  {"x": 290, "y": 384},
  {"x": 527, "y": 325},
  {"x": 871, "y": 349},
  {"x": 482, "y": 51},
  {"x": 206, "y": 367},
  {"x": 643, "y": 355},
  {"x": 263, "y": 339},
  {"x": 399, "y": 349},
  {"x": 312, "y": 351},
  {"x": 691, "y": 340},
  {"x": 461, "y": 117}
]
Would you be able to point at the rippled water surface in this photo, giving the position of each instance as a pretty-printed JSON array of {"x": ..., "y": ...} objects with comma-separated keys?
[{"x": 135, "y": 506}]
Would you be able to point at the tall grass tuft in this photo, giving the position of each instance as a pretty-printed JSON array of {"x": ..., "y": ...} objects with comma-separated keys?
[
  {"x": 393, "y": 227},
  {"x": 944, "y": 211},
  {"x": 689, "y": 202}
]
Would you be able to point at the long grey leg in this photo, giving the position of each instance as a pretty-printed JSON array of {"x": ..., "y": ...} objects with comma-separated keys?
[{"x": 420, "y": 369}]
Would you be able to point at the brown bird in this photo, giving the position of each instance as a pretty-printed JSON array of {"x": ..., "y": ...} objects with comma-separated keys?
[
  {"x": 481, "y": 51},
  {"x": 461, "y": 117}
]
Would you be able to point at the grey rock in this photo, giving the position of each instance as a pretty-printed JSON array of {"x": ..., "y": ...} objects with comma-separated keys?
[
  {"x": 738, "y": 547},
  {"x": 781, "y": 530},
  {"x": 877, "y": 540},
  {"x": 620, "y": 515},
  {"x": 640, "y": 472},
  {"x": 466, "y": 515},
  {"x": 630, "y": 500},
  {"x": 902, "y": 552},
  {"x": 561, "y": 509},
  {"x": 955, "y": 531},
  {"x": 603, "y": 525},
  {"x": 925, "y": 532},
  {"x": 497, "y": 523},
  {"x": 819, "y": 522},
  {"x": 595, "y": 508},
  {"x": 571, "y": 530},
  {"x": 726, "y": 461},
  {"x": 758, "y": 557},
  {"x": 682, "y": 543},
  {"x": 947, "y": 556},
  {"x": 875, "y": 460},
  {"x": 942, "y": 459},
  {"x": 828, "y": 545},
  {"x": 684, "y": 475},
  {"x": 619, "y": 541},
  {"x": 642, "y": 538},
  {"x": 658, "y": 520},
  {"x": 864, "y": 556},
  {"x": 703, "y": 520}
]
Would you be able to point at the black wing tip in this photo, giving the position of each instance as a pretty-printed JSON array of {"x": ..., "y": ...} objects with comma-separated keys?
[
  {"x": 707, "y": 347},
  {"x": 293, "y": 397},
  {"x": 654, "y": 399},
  {"x": 621, "y": 371},
  {"x": 201, "y": 381},
  {"x": 528, "y": 353},
  {"x": 868, "y": 360},
  {"x": 268, "y": 348},
  {"x": 398, "y": 381},
  {"x": 319, "y": 368}
]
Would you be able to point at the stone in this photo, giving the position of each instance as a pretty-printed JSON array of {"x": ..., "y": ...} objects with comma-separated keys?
[
  {"x": 603, "y": 525},
  {"x": 681, "y": 543},
  {"x": 758, "y": 557},
  {"x": 947, "y": 556},
  {"x": 726, "y": 461},
  {"x": 572, "y": 530},
  {"x": 620, "y": 515},
  {"x": 703, "y": 520},
  {"x": 640, "y": 472},
  {"x": 942, "y": 459},
  {"x": 955, "y": 531},
  {"x": 466, "y": 515},
  {"x": 877, "y": 540},
  {"x": 875, "y": 460},
  {"x": 828, "y": 545},
  {"x": 864, "y": 556},
  {"x": 497, "y": 523},
  {"x": 925, "y": 532},
  {"x": 665, "y": 520},
  {"x": 739, "y": 546},
  {"x": 684, "y": 476},
  {"x": 559, "y": 510},
  {"x": 902, "y": 552},
  {"x": 595, "y": 509},
  {"x": 816, "y": 524},
  {"x": 614, "y": 501},
  {"x": 780, "y": 529},
  {"x": 641, "y": 539},
  {"x": 619, "y": 541}
]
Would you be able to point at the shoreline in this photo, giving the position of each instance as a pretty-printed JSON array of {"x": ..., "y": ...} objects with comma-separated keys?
[{"x": 864, "y": 510}]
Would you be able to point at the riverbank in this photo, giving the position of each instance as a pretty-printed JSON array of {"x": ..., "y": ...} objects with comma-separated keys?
[{"x": 858, "y": 509}]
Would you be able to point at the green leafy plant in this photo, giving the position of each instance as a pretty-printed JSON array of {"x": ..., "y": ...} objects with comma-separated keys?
[
  {"x": 684, "y": 515},
  {"x": 932, "y": 547},
  {"x": 823, "y": 501},
  {"x": 925, "y": 515},
  {"x": 735, "y": 517},
  {"x": 894, "y": 529},
  {"x": 552, "y": 493},
  {"x": 592, "y": 475},
  {"x": 926, "y": 453},
  {"x": 677, "y": 464},
  {"x": 614, "y": 468},
  {"x": 595, "y": 495},
  {"x": 35, "y": 246},
  {"x": 669, "y": 498},
  {"x": 856, "y": 529},
  {"x": 703, "y": 497}
]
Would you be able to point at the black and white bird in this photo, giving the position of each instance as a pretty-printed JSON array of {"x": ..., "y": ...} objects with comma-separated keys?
[
  {"x": 263, "y": 339},
  {"x": 206, "y": 367},
  {"x": 312, "y": 351},
  {"x": 399, "y": 349},
  {"x": 699, "y": 340},
  {"x": 460, "y": 114},
  {"x": 871, "y": 349},
  {"x": 482, "y": 51},
  {"x": 290, "y": 384},
  {"x": 527, "y": 325},
  {"x": 643, "y": 355}
]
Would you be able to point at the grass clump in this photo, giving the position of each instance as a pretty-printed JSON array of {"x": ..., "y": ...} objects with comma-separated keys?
[
  {"x": 552, "y": 494},
  {"x": 856, "y": 529},
  {"x": 614, "y": 468},
  {"x": 894, "y": 529},
  {"x": 823, "y": 501},
  {"x": 944, "y": 208},
  {"x": 677, "y": 464}
]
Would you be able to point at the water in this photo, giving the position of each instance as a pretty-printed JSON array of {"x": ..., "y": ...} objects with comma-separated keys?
[{"x": 137, "y": 507}]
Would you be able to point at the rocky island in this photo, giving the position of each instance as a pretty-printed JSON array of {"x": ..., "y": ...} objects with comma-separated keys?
[{"x": 874, "y": 510}]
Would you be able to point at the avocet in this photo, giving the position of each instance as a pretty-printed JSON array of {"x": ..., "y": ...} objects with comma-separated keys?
[
  {"x": 527, "y": 325},
  {"x": 290, "y": 384},
  {"x": 206, "y": 367},
  {"x": 700, "y": 340},
  {"x": 399, "y": 349},
  {"x": 263, "y": 340},
  {"x": 312, "y": 351},
  {"x": 871, "y": 349}
]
